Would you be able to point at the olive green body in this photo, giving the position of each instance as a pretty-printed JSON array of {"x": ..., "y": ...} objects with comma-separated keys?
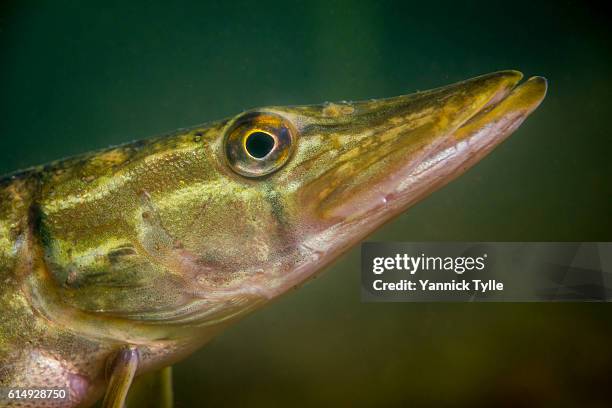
[
  {"x": 50, "y": 228},
  {"x": 159, "y": 244}
]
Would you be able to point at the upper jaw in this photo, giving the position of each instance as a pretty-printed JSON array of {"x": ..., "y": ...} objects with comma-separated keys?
[
  {"x": 474, "y": 139},
  {"x": 416, "y": 144}
]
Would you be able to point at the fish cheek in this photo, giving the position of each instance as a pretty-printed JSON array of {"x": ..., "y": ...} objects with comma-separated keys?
[
  {"x": 107, "y": 275},
  {"x": 120, "y": 282}
]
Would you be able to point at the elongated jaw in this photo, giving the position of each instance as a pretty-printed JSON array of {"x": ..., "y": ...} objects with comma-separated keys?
[
  {"x": 440, "y": 136},
  {"x": 360, "y": 164},
  {"x": 460, "y": 149}
]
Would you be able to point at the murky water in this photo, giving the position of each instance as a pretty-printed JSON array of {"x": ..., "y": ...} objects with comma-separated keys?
[{"x": 73, "y": 79}]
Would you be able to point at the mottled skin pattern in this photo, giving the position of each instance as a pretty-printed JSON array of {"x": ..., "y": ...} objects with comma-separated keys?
[{"x": 160, "y": 244}]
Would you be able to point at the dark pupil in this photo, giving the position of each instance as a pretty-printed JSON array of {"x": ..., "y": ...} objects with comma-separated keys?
[{"x": 259, "y": 144}]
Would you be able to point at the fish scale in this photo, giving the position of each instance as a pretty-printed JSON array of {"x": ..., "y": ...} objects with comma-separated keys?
[{"x": 121, "y": 262}]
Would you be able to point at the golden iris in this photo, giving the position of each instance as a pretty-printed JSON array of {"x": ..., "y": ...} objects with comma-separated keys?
[{"x": 258, "y": 143}]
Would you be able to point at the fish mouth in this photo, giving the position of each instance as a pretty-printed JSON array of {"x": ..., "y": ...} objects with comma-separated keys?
[
  {"x": 475, "y": 138},
  {"x": 456, "y": 127},
  {"x": 511, "y": 96},
  {"x": 508, "y": 81}
]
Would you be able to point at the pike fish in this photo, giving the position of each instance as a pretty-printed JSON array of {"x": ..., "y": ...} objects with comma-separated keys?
[{"x": 118, "y": 263}]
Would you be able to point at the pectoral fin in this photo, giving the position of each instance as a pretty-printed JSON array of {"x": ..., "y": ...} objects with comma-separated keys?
[
  {"x": 121, "y": 373},
  {"x": 152, "y": 390}
]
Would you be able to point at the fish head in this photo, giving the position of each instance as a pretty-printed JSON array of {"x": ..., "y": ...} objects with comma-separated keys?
[
  {"x": 330, "y": 174},
  {"x": 197, "y": 229}
]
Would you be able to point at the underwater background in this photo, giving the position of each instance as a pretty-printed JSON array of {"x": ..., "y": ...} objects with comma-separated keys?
[{"x": 78, "y": 76}]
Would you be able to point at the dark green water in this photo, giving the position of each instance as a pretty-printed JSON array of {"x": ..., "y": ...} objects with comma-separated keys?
[{"x": 73, "y": 79}]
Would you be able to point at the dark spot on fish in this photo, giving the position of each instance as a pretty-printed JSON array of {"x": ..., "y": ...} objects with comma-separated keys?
[
  {"x": 284, "y": 232},
  {"x": 116, "y": 254},
  {"x": 37, "y": 226}
]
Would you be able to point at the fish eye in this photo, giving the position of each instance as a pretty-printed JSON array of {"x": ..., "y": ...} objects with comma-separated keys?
[{"x": 258, "y": 143}]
